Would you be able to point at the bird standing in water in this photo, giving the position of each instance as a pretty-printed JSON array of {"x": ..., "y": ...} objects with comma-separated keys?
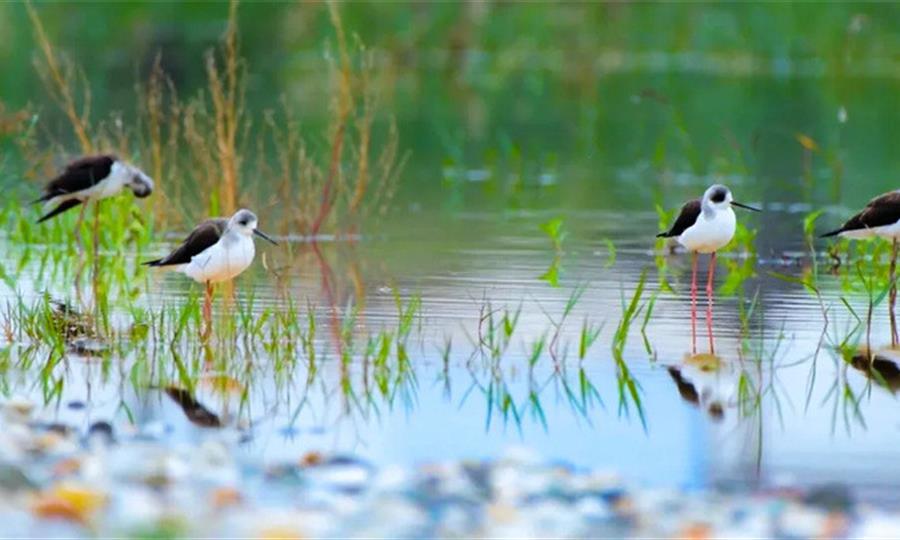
[
  {"x": 217, "y": 250},
  {"x": 705, "y": 226},
  {"x": 880, "y": 218}
]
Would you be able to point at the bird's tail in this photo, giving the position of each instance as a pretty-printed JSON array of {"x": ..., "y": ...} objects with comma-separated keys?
[
  {"x": 832, "y": 233},
  {"x": 63, "y": 206},
  {"x": 664, "y": 234},
  {"x": 154, "y": 262}
]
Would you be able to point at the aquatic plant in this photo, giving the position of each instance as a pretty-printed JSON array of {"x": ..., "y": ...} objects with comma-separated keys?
[
  {"x": 628, "y": 386},
  {"x": 555, "y": 230}
]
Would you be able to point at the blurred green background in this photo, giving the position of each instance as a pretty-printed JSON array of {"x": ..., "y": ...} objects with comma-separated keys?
[{"x": 511, "y": 105}]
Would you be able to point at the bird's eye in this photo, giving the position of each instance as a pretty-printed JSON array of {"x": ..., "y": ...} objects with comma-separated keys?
[{"x": 718, "y": 197}]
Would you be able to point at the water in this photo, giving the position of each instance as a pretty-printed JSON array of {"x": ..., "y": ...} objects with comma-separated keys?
[{"x": 780, "y": 408}]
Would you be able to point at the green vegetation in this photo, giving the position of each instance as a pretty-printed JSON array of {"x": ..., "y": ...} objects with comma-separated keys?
[{"x": 465, "y": 194}]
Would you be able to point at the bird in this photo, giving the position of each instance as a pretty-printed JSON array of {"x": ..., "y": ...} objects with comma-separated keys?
[
  {"x": 92, "y": 178},
  {"x": 706, "y": 382},
  {"x": 217, "y": 250},
  {"x": 705, "y": 225},
  {"x": 880, "y": 218}
]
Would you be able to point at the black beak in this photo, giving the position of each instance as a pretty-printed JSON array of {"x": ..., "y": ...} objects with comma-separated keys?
[
  {"x": 744, "y": 206},
  {"x": 264, "y": 236},
  {"x": 141, "y": 187}
]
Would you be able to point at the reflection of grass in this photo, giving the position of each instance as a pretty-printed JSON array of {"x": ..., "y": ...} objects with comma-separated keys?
[
  {"x": 495, "y": 330},
  {"x": 627, "y": 384},
  {"x": 257, "y": 342},
  {"x": 589, "y": 334}
]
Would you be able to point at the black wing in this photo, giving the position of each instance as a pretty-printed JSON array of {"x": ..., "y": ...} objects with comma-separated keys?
[
  {"x": 79, "y": 175},
  {"x": 685, "y": 389},
  {"x": 195, "y": 411},
  {"x": 688, "y": 216},
  {"x": 202, "y": 237},
  {"x": 882, "y": 210},
  {"x": 60, "y": 208}
]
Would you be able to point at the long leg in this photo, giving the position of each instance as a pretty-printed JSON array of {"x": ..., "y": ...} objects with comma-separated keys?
[
  {"x": 95, "y": 272},
  {"x": 694, "y": 303},
  {"x": 207, "y": 311},
  {"x": 893, "y": 294},
  {"x": 79, "y": 222},
  {"x": 709, "y": 301},
  {"x": 79, "y": 268}
]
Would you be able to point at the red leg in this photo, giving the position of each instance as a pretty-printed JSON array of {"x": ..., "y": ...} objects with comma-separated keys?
[
  {"x": 893, "y": 294},
  {"x": 709, "y": 302},
  {"x": 79, "y": 221},
  {"x": 81, "y": 258},
  {"x": 694, "y": 303},
  {"x": 207, "y": 311},
  {"x": 95, "y": 268}
]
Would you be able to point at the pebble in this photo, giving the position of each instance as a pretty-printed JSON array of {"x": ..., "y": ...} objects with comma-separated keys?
[{"x": 64, "y": 480}]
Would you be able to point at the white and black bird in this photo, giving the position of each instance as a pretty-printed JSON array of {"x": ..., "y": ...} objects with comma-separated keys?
[
  {"x": 92, "y": 178},
  {"x": 217, "y": 250},
  {"x": 879, "y": 219},
  {"x": 707, "y": 383},
  {"x": 705, "y": 225}
]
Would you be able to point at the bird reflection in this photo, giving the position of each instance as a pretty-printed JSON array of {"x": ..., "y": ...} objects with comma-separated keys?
[
  {"x": 195, "y": 411},
  {"x": 882, "y": 367},
  {"x": 703, "y": 383}
]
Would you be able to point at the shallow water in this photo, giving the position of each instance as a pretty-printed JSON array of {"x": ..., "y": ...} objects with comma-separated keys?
[{"x": 771, "y": 413}]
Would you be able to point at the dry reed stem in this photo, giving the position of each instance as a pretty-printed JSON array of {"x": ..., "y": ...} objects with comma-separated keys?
[
  {"x": 153, "y": 107},
  {"x": 343, "y": 105},
  {"x": 227, "y": 100},
  {"x": 364, "y": 130},
  {"x": 207, "y": 138},
  {"x": 159, "y": 137},
  {"x": 61, "y": 84}
]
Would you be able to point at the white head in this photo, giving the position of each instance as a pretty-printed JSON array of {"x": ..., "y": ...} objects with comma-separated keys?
[
  {"x": 133, "y": 178},
  {"x": 718, "y": 197},
  {"x": 245, "y": 222}
]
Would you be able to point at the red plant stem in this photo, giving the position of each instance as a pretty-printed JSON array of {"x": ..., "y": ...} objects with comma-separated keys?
[
  {"x": 327, "y": 196},
  {"x": 328, "y": 289},
  {"x": 709, "y": 302}
]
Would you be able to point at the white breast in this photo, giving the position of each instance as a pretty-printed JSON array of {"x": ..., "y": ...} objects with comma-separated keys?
[
  {"x": 111, "y": 185},
  {"x": 222, "y": 261},
  {"x": 709, "y": 234}
]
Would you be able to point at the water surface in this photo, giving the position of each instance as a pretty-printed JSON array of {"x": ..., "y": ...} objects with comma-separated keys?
[{"x": 778, "y": 407}]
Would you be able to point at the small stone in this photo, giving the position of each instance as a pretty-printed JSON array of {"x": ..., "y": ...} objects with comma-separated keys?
[
  {"x": 87, "y": 347},
  {"x": 69, "y": 501},
  {"x": 312, "y": 459},
  {"x": 695, "y": 531},
  {"x": 802, "y": 521},
  {"x": 225, "y": 497},
  {"x": 102, "y": 432},
  {"x": 831, "y": 497},
  {"x": 67, "y": 467},
  {"x": 59, "y": 429},
  {"x": 17, "y": 410},
  {"x": 12, "y": 478}
]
